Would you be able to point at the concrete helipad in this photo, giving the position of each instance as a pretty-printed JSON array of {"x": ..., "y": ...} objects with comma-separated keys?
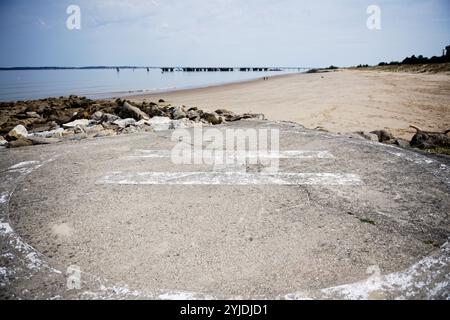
[{"x": 342, "y": 218}]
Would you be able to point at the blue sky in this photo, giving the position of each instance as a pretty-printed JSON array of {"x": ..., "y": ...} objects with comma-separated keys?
[{"x": 220, "y": 32}]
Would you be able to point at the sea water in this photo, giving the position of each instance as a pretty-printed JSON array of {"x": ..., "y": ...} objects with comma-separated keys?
[{"x": 108, "y": 83}]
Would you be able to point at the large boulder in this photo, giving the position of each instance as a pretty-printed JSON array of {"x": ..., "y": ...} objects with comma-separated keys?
[
  {"x": 101, "y": 117},
  {"x": 178, "y": 113},
  {"x": 212, "y": 118},
  {"x": 226, "y": 114},
  {"x": 21, "y": 142},
  {"x": 154, "y": 111},
  {"x": 193, "y": 114},
  {"x": 129, "y": 111},
  {"x": 18, "y": 132},
  {"x": 429, "y": 140},
  {"x": 97, "y": 116},
  {"x": 230, "y": 116},
  {"x": 108, "y": 117},
  {"x": 59, "y": 116},
  {"x": 123, "y": 123}
]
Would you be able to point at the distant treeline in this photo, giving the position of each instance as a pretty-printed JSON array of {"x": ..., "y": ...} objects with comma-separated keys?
[
  {"x": 418, "y": 60},
  {"x": 413, "y": 60}
]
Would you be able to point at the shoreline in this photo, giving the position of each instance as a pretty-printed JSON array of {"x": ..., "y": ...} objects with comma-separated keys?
[
  {"x": 338, "y": 101},
  {"x": 209, "y": 86}
]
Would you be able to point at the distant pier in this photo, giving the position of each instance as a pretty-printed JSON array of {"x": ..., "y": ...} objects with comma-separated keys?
[{"x": 232, "y": 69}]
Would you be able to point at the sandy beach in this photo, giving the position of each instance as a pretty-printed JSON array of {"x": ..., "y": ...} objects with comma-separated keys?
[{"x": 339, "y": 101}]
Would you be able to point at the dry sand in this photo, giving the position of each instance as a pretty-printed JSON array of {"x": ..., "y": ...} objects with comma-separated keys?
[{"x": 340, "y": 101}]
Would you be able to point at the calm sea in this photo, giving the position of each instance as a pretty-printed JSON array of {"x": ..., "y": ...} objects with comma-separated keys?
[{"x": 107, "y": 83}]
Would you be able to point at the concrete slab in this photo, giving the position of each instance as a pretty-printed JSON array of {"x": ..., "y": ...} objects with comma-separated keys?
[{"x": 343, "y": 218}]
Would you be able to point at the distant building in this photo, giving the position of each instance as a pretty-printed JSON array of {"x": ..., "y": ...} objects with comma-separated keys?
[{"x": 447, "y": 51}]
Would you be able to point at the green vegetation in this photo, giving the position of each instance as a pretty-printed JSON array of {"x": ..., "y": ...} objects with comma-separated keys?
[{"x": 366, "y": 220}]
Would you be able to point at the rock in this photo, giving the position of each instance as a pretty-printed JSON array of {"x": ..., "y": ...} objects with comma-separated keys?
[
  {"x": 79, "y": 122},
  {"x": 258, "y": 116},
  {"x": 321, "y": 128},
  {"x": 223, "y": 112},
  {"x": 21, "y": 142},
  {"x": 17, "y": 133},
  {"x": 193, "y": 115},
  {"x": 178, "y": 113},
  {"x": 32, "y": 114},
  {"x": 3, "y": 142},
  {"x": 371, "y": 137},
  {"x": 212, "y": 118},
  {"x": 101, "y": 117},
  {"x": 108, "y": 117},
  {"x": 383, "y": 135},
  {"x": 160, "y": 123},
  {"x": 110, "y": 126},
  {"x": 79, "y": 129},
  {"x": 368, "y": 136},
  {"x": 130, "y": 111},
  {"x": 47, "y": 134},
  {"x": 429, "y": 140},
  {"x": 402, "y": 143},
  {"x": 161, "y": 101},
  {"x": 92, "y": 131},
  {"x": 59, "y": 116},
  {"x": 22, "y": 116},
  {"x": 39, "y": 140},
  {"x": 232, "y": 117},
  {"x": 97, "y": 116},
  {"x": 49, "y": 126},
  {"x": 153, "y": 110},
  {"x": 123, "y": 123},
  {"x": 226, "y": 114}
]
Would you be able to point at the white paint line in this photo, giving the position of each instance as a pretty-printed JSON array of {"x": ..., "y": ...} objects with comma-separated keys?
[
  {"x": 229, "y": 178},
  {"x": 23, "y": 164},
  {"x": 282, "y": 154},
  {"x": 419, "y": 159}
]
